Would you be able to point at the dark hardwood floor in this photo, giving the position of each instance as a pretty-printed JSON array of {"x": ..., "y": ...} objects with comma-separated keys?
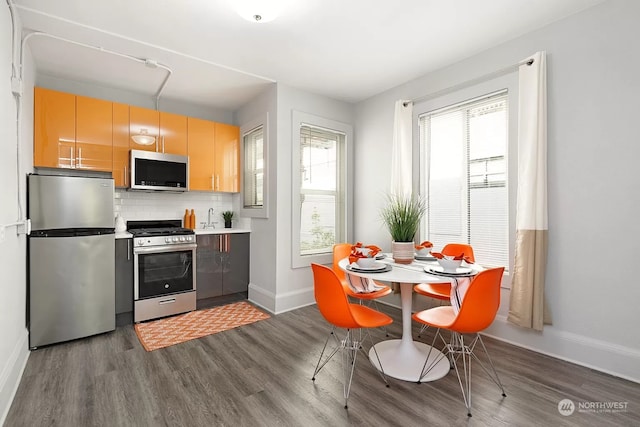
[{"x": 260, "y": 375}]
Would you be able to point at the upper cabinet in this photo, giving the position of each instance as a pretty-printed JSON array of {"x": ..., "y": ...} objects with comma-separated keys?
[
  {"x": 72, "y": 131},
  {"x": 173, "y": 134},
  {"x": 94, "y": 134},
  {"x": 227, "y": 158},
  {"x": 168, "y": 130},
  {"x": 85, "y": 133},
  {"x": 121, "y": 145},
  {"x": 143, "y": 121},
  {"x": 201, "y": 154}
]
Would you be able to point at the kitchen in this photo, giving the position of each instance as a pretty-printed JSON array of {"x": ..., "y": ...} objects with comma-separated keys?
[{"x": 280, "y": 288}]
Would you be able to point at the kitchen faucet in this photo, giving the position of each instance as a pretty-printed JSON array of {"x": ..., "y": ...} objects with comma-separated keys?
[{"x": 209, "y": 223}]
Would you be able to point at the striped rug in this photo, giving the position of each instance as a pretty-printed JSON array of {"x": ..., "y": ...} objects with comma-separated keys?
[{"x": 196, "y": 324}]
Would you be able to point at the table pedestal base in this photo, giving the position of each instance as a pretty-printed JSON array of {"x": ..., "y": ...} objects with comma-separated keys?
[{"x": 404, "y": 359}]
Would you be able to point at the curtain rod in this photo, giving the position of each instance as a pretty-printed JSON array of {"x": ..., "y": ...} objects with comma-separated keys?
[{"x": 480, "y": 79}]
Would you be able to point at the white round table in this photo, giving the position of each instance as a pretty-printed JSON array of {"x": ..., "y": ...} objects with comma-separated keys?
[{"x": 404, "y": 358}]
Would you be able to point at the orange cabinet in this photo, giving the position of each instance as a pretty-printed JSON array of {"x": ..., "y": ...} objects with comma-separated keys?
[
  {"x": 72, "y": 132},
  {"x": 201, "y": 151},
  {"x": 120, "y": 145},
  {"x": 143, "y": 121},
  {"x": 173, "y": 134},
  {"x": 54, "y": 128},
  {"x": 227, "y": 158},
  {"x": 94, "y": 134}
]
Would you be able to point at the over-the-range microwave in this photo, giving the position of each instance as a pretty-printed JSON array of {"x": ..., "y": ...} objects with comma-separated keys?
[{"x": 159, "y": 171}]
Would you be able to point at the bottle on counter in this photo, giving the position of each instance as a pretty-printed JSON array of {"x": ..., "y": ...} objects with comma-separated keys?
[
  {"x": 186, "y": 221},
  {"x": 192, "y": 220}
]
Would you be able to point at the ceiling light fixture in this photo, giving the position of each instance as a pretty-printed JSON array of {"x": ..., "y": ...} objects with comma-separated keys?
[
  {"x": 143, "y": 138},
  {"x": 259, "y": 11}
]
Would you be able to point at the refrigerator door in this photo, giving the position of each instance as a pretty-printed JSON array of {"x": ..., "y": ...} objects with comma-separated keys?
[
  {"x": 70, "y": 202},
  {"x": 71, "y": 287}
]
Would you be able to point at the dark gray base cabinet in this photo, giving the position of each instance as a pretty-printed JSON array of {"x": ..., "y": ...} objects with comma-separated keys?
[
  {"x": 222, "y": 264},
  {"x": 124, "y": 275}
]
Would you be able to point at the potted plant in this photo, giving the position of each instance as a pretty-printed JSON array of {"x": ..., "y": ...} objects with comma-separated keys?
[
  {"x": 402, "y": 216},
  {"x": 228, "y": 216}
]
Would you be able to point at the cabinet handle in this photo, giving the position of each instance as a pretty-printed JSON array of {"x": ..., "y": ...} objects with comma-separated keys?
[
  {"x": 80, "y": 157},
  {"x": 227, "y": 238},
  {"x": 126, "y": 180},
  {"x": 157, "y": 144},
  {"x": 217, "y": 182},
  {"x": 167, "y": 301},
  {"x": 72, "y": 157},
  {"x": 163, "y": 143},
  {"x": 128, "y": 249}
]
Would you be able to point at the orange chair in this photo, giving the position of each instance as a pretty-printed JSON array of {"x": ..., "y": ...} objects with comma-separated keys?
[
  {"x": 340, "y": 313},
  {"x": 477, "y": 312},
  {"x": 341, "y": 251},
  {"x": 442, "y": 291}
]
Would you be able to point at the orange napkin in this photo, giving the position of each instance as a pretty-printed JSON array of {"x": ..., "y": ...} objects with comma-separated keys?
[
  {"x": 424, "y": 245},
  {"x": 455, "y": 258},
  {"x": 356, "y": 254}
]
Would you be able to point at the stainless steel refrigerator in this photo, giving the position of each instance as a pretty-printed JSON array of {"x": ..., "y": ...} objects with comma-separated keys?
[{"x": 71, "y": 258}]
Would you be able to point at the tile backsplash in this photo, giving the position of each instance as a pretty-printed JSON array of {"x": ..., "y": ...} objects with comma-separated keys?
[{"x": 134, "y": 205}]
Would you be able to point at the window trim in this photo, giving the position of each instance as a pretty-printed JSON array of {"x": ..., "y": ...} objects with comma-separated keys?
[
  {"x": 298, "y": 119},
  {"x": 462, "y": 96},
  {"x": 256, "y": 212}
]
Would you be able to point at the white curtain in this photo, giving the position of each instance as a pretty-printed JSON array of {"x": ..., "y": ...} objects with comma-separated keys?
[
  {"x": 401, "y": 156},
  {"x": 527, "y": 306}
]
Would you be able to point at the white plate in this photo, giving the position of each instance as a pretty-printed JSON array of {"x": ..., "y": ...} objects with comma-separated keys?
[
  {"x": 460, "y": 271},
  {"x": 376, "y": 266},
  {"x": 381, "y": 256},
  {"x": 424, "y": 258}
]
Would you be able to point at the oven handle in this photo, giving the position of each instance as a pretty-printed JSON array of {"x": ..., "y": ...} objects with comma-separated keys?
[{"x": 161, "y": 249}]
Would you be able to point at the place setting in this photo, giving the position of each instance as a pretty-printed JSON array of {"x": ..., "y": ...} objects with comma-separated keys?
[
  {"x": 366, "y": 259},
  {"x": 451, "y": 266}
]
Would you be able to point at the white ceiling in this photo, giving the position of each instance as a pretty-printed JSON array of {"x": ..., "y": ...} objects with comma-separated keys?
[{"x": 345, "y": 49}]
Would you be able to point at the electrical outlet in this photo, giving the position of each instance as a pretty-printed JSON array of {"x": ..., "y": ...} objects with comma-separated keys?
[{"x": 2, "y": 230}]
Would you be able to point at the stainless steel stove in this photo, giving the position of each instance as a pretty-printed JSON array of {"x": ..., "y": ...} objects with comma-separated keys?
[{"x": 164, "y": 269}]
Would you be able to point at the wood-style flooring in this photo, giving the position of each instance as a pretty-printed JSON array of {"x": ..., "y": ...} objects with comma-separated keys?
[{"x": 260, "y": 375}]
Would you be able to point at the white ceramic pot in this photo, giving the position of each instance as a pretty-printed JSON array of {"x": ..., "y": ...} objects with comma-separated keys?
[{"x": 402, "y": 252}]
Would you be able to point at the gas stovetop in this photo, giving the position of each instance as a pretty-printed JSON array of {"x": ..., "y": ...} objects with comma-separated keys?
[{"x": 160, "y": 233}]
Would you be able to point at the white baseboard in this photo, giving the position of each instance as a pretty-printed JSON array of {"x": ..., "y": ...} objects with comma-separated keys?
[
  {"x": 282, "y": 302},
  {"x": 12, "y": 373},
  {"x": 595, "y": 354}
]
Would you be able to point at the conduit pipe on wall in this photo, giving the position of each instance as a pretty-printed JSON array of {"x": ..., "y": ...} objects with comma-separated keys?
[
  {"x": 16, "y": 88},
  {"x": 147, "y": 62}
]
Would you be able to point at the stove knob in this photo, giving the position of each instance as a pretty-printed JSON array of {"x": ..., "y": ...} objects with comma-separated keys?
[
  {"x": 189, "y": 238},
  {"x": 167, "y": 239},
  {"x": 140, "y": 242},
  {"x": 182, "y": 238},
  {"x": 175, "y": 239}
]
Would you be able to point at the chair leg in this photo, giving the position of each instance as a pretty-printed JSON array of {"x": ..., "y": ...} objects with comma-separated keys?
[
  {"x": 349, "y": 355},
  {"x": 428, "y": 366},
  {"x": 321, "y": 363},
  {"x": 381, "y": 370},
  {"x": 459, "y": 347},
  {"x": 493, "y": 374}
]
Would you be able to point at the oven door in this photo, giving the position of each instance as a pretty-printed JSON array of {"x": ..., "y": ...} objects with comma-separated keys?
[{"x": 164, "y": 270}]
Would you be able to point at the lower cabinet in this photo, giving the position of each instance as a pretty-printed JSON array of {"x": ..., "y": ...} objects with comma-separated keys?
[
  {"x": 124, "y": 276},
  {"x": 222, "y": 264}
]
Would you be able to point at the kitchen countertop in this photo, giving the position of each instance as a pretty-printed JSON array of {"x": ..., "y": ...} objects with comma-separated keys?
[
  {"x": 127, "y": 235},
  {"x": 221, "y": 230}
]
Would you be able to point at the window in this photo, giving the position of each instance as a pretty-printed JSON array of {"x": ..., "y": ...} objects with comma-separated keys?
[
  {"x": 254, "y": 151},
  {"x": 319, "y": 202},
  {"x": 464, "y": 158},
  {"x": 321, "y": 207},
  {"x": 254, "y": 169}
]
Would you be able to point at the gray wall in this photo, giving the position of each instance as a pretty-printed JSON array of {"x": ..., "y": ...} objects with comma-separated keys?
[{"x": 593, "y": 88}]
